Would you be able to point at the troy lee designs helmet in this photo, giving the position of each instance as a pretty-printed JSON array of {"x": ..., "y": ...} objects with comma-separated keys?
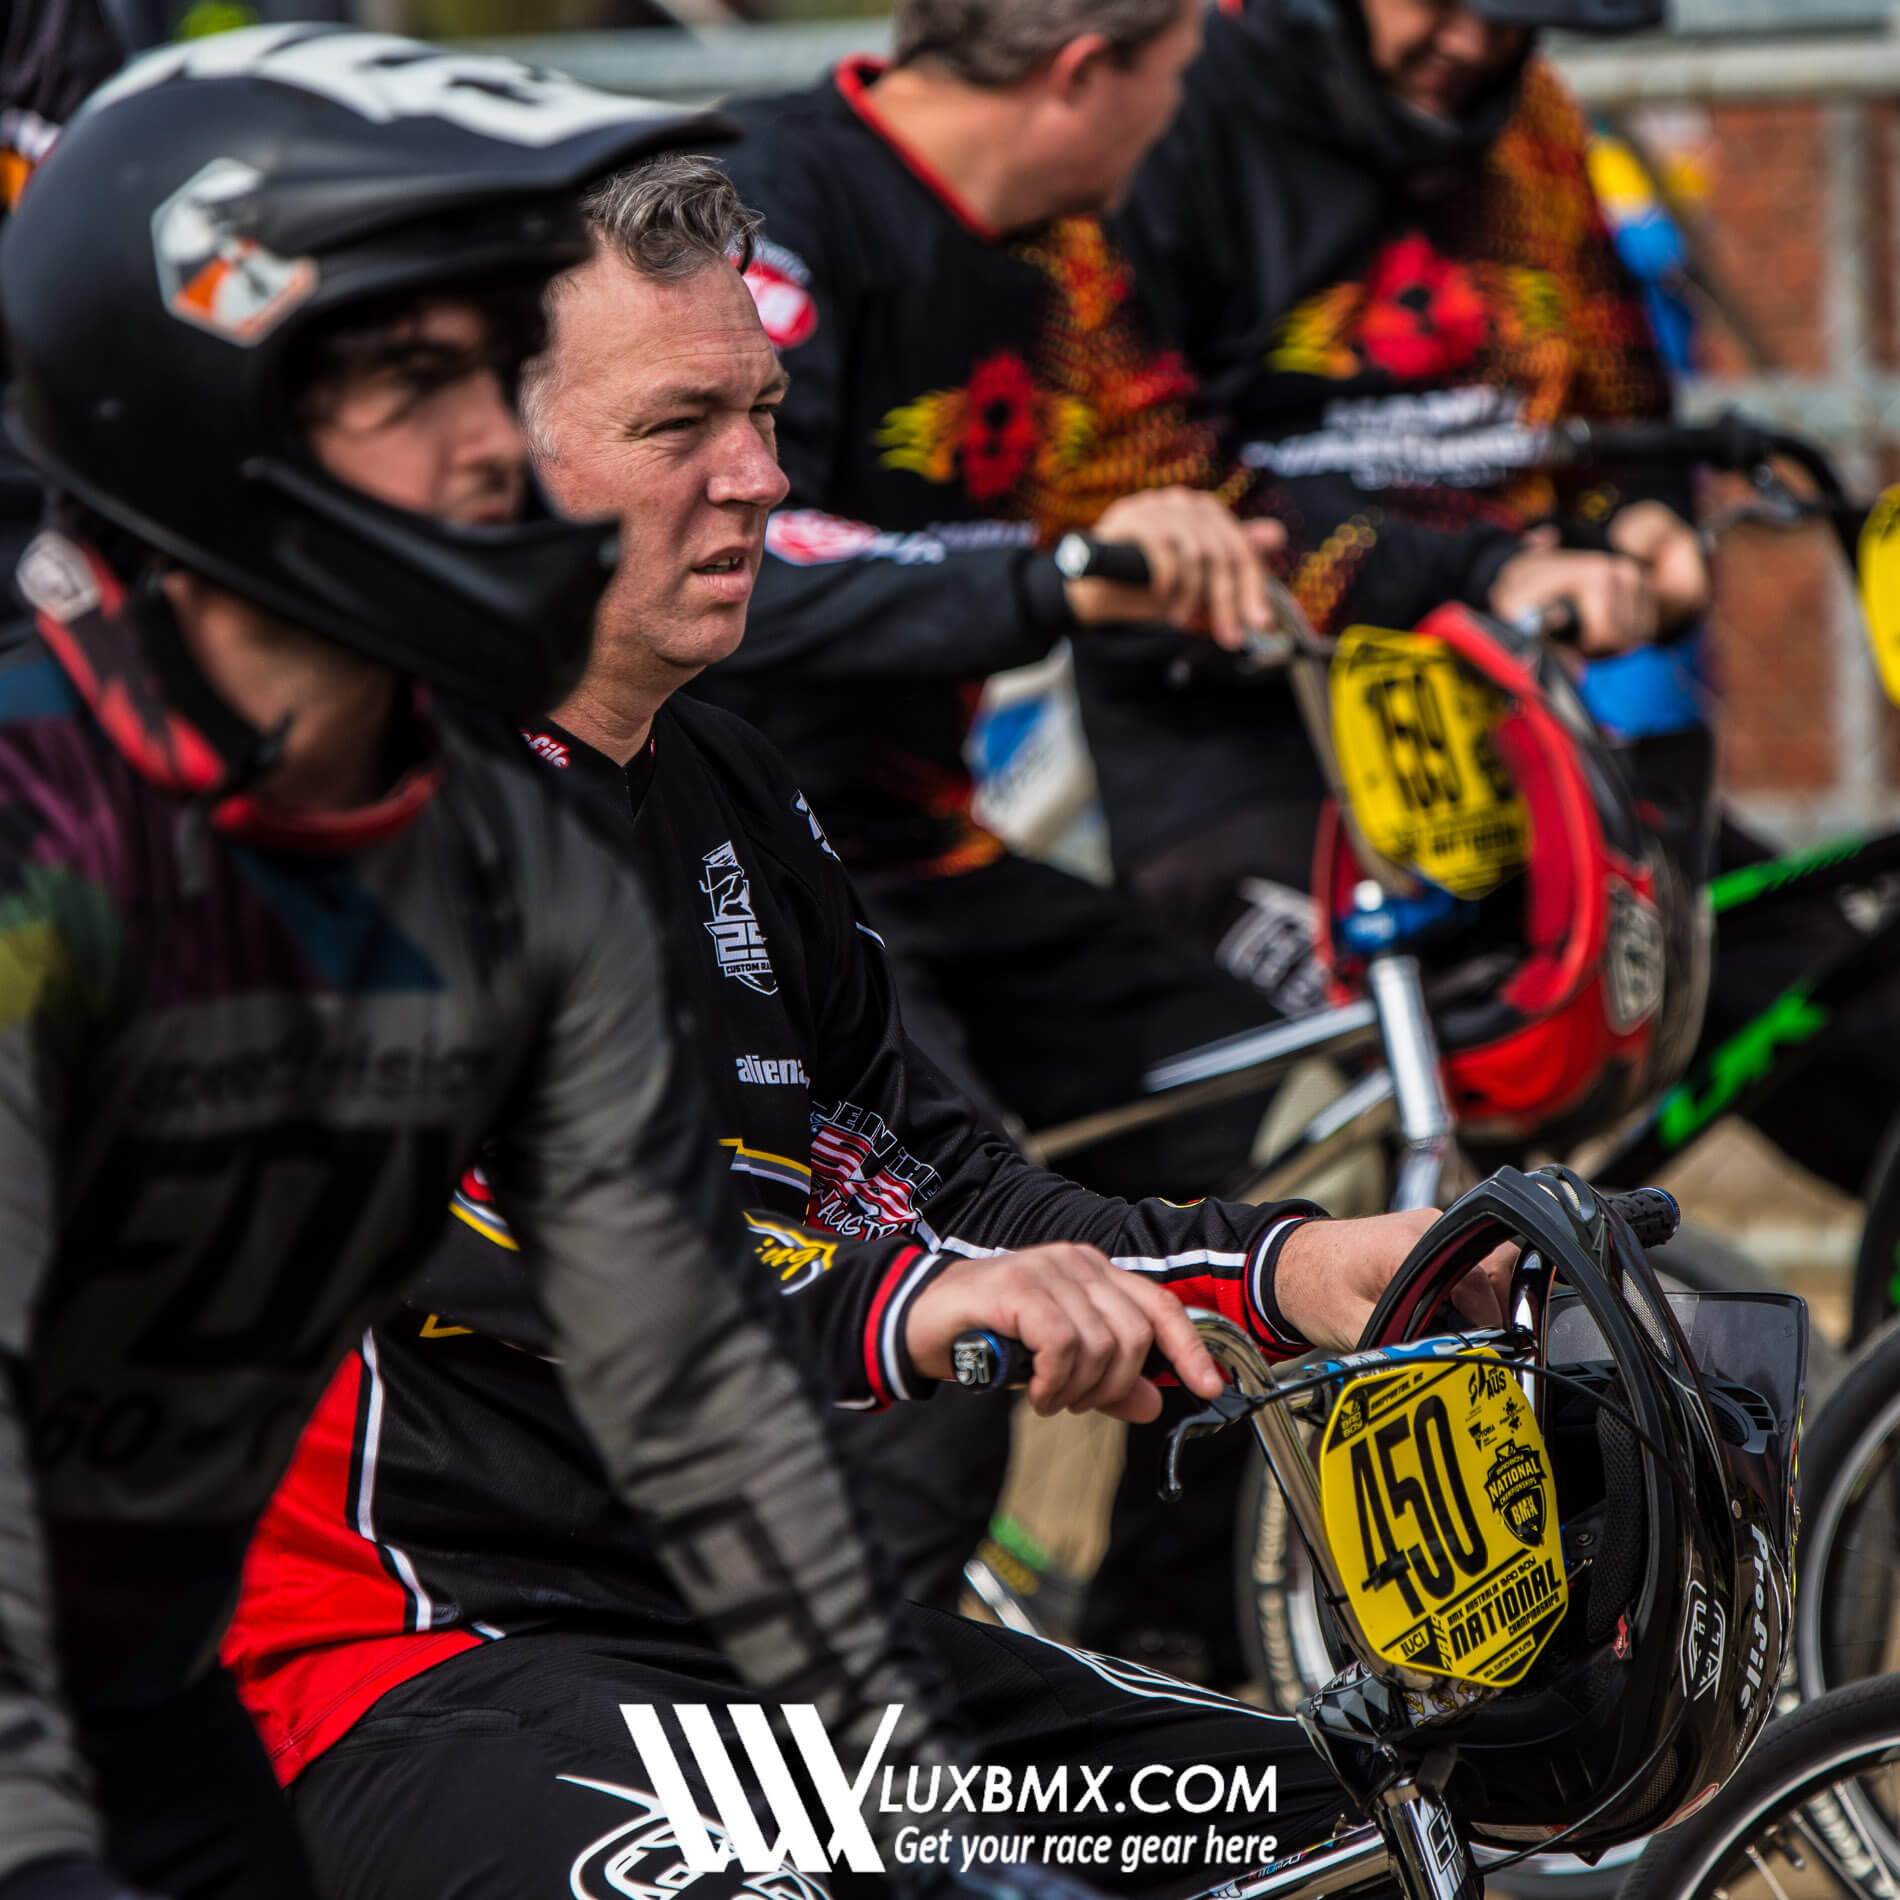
[
  {"x": 211, "y": 208},
  {"x": 1580, "y": 987},
  {"x": 1672, "y": 1423}
]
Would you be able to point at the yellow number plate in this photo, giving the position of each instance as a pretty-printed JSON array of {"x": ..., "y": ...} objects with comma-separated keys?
[
  {"x": 1879, "y": 564},
  {"x": 1436, "y": 1493},
  {"x": 1413, "y": 732}
]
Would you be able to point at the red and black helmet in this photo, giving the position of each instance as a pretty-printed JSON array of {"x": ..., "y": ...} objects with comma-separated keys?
[{"x": 1580, "y": 987}]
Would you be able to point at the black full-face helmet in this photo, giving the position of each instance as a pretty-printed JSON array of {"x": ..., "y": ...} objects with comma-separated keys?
[
  {"x": 213, "y": 207},
  {"x": 1671, "y": 1421}
]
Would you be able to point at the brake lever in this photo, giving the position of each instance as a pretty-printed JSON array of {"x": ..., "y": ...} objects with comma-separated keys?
[{"x": 1229, "y": 1408}]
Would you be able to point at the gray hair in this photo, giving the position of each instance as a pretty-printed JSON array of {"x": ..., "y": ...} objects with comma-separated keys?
[
  {"x": 1001, "y": 42},
  {"x": 667, "y": 216}
]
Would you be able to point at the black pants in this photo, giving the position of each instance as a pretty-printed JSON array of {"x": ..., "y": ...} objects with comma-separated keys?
[
  {"x": 509, "y": 1773},
  {"x": 191, "y": 1807},
  {"x": 1047, "y": 998}
]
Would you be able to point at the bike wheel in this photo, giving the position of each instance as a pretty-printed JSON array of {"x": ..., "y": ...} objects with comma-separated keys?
[
  {"x": 1849, "y": 1547},
  {"x": 1814, "y": 1809},
  {"x": 1877, "y": 1259}
]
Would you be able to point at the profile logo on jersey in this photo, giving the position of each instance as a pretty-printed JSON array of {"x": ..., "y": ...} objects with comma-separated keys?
[
  {"x": 738, "y": 942},
  {"x": 212, "y": 276},
  {"x": 780, "y": 283},
  {"x": 799, "y": 1844},
  {"x": 863, "y": 1182},
  {"x": 544, "y": 745}
]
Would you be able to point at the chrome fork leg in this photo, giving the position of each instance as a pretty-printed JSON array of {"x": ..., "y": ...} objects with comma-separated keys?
[{"x": 1418, "y": 1086}]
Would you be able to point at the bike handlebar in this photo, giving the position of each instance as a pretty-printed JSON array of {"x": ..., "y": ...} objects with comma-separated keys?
[
  {"x": 986, "y": 1360},
  {"x": 1731, "y": 442}
]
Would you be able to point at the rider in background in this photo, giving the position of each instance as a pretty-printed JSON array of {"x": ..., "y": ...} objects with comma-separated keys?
[
  {"x": 292, "y": 924},
  {"x": 1373, "y": 232},
  {"x": 970, "y": 377}
]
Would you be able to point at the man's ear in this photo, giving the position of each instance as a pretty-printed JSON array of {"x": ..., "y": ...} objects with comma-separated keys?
[{"x": 1076, "y": 66}]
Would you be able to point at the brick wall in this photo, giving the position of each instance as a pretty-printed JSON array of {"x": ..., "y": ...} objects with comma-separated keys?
[{"x": 1792, "y": 205}]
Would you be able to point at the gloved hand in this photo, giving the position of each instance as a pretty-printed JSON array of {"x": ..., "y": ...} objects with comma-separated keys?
[{"x": 67, "y": 1878}]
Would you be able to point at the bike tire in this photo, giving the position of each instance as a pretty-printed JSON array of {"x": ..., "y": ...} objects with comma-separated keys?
[
  {"x": 1876, "y": 1297},
  {"x": 1849, "y": 1546},
  {"x": 1819, "y": 1753}
]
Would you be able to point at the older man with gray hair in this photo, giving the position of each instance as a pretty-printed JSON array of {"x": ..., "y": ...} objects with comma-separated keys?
[{"x": 445, "y": 1613}]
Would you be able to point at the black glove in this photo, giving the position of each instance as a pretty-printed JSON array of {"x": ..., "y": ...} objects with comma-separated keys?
[{"x": 66, "y": 1879}]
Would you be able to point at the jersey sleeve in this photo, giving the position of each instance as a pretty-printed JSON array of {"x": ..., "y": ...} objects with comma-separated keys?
[
  {"x": 673, "y": 1356},
  {"x": 57, "y": 971},
  {"x": 896, "y": 1148},
  {"x": 839, "y": 598}
]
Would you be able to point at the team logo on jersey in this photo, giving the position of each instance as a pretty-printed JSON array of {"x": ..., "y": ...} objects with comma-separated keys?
[
  {"x": 545, "y": 745},
  {"x": 780, "y": 283},
  {"x": 807, "y": 537},
  {"x": 763, "y": 1071},
  {"x": 863, "y": 1182},
  {"x": 796, "y": 1256},
  {"x": 213, "y": 276},
  {"x": 738, "y": 942}
]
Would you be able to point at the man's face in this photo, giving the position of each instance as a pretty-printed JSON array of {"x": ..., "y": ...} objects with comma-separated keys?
[
  {"x": 1437, "y": 55},
  {"x": 418, "y": 417},
  {"x": 658, "y": 407},
  {"x": 1125, "y": 109}
]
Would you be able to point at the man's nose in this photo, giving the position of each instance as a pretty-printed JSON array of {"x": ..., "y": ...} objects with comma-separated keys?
[{"x": 747, "y": 471}]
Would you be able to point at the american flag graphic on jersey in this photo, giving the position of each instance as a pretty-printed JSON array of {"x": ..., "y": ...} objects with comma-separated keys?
[{"x": 863, "y": 1183}]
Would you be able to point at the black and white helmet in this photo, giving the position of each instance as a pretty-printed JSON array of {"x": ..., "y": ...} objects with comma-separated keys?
[{"x": 201, "y": 216}]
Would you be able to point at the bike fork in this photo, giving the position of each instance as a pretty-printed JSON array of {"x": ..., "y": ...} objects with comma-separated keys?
[
  {"x": 1434, "y": 1862},
  {"x": 1418, "y": 1087}
]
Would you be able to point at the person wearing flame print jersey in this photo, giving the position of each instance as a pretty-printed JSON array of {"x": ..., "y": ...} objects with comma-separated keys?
[
  {"x": 1371, "y": 232},
  {"x": 292, "y": 923},
  {"x": 446, "y": 1606}
]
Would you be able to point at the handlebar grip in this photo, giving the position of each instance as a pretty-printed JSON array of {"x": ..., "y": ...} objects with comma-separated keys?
[
  {"x": 1653, "y": 1216},
  {"x": 986, "y": 1362},
  {"x": 1080, "y": 557}
]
